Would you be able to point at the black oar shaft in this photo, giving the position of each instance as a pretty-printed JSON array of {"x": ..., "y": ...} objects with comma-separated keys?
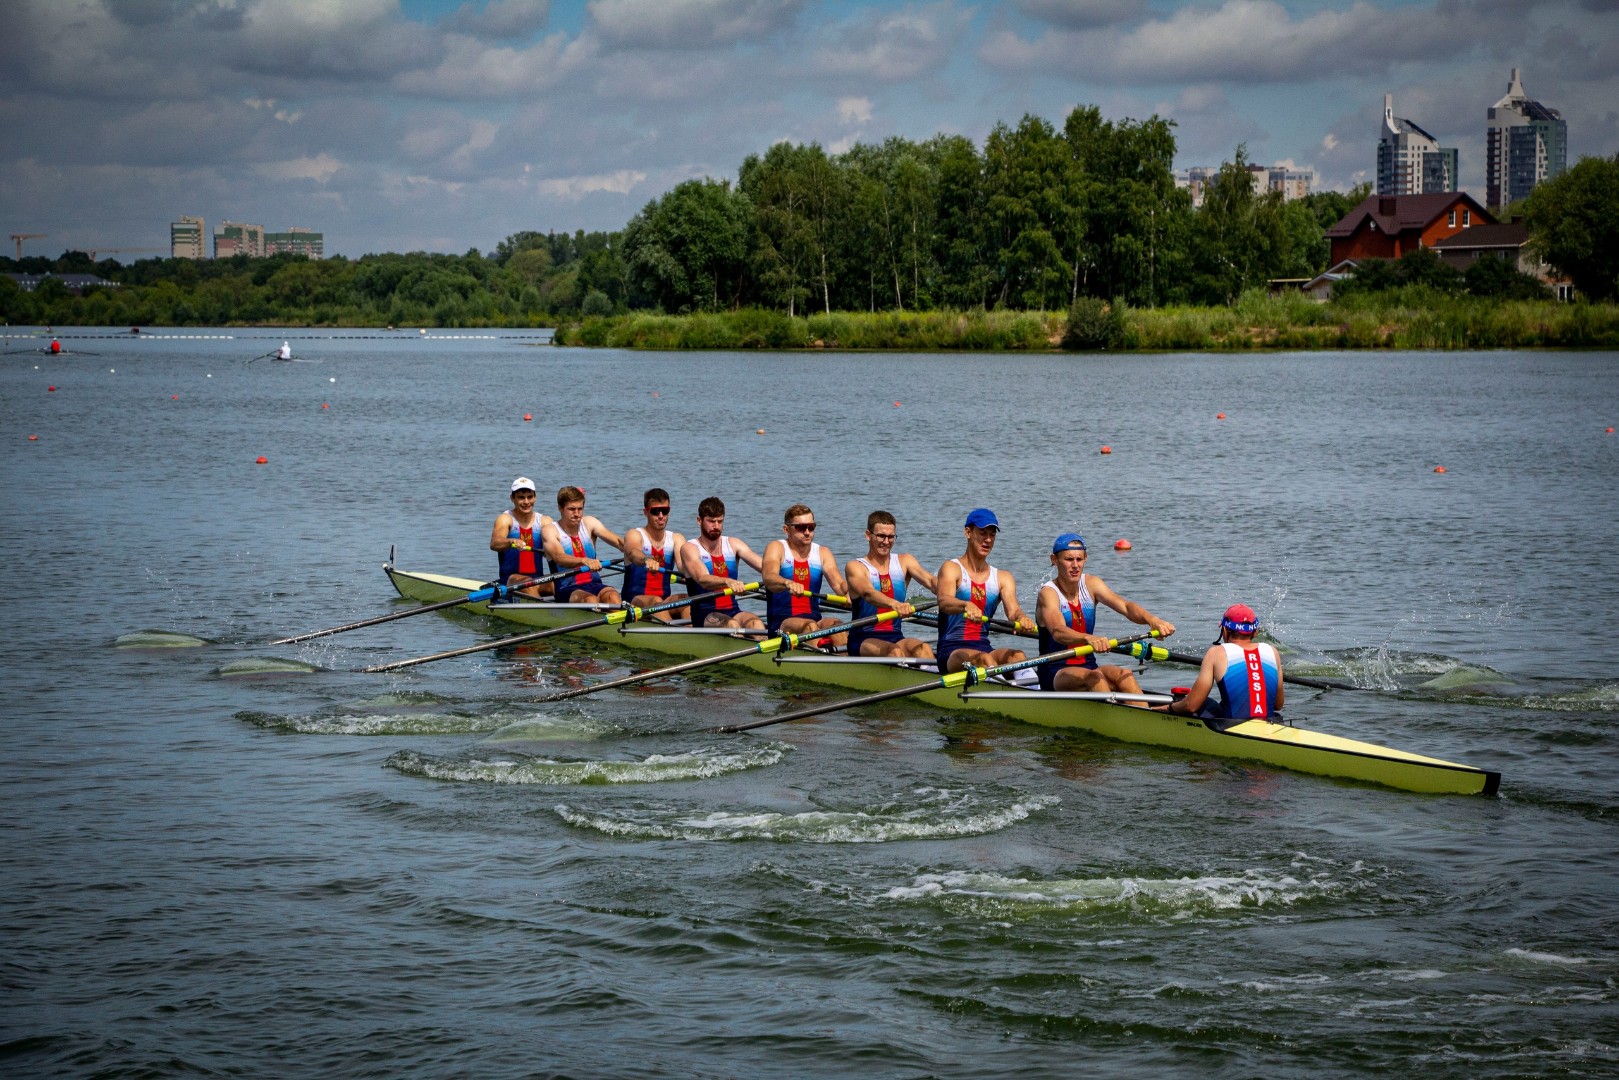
[
  {"x": 1301, "y": 680},
  {"x": 482, "y": 594}
]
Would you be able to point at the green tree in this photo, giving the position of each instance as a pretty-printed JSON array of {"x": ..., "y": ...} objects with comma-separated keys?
[
  {"x": 1573, "y": 223},
  {"x": 689, "y": 247}
]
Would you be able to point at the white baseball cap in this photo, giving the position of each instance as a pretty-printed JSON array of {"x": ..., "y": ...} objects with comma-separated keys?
[{"x": 523, "y": 483}]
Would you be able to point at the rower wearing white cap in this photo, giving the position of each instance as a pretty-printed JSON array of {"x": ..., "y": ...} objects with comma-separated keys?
[
  {"x": 285, "y": 352},
  {"x": 969, "y": 591},
  {"x": 1244, "y": 675},
  {"x": 516, "y": 539},
  {"x": 1066, "y": 612}
]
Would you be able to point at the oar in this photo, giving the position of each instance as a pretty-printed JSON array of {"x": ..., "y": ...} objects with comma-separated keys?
[
  {"x": 613, "y": 618},
  {"x": 967, "y": 676},
  {"x": 488, "y": 592},
  {"x": 769, "y": 645},
  {"x": 1154, "y": 652}
]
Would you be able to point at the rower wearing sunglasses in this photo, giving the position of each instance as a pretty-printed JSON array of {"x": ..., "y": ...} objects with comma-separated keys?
[
  {"x": 649, "y": 554},
  {"x": 796, "y": 571}
]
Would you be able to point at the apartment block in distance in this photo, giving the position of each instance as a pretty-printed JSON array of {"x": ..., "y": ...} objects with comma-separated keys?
[
  {"x": 1525, "y": 143},
  {"x": 1290, "y": 183},
  {"x": 235, "y": 238},
  {"x": 188, "y": 238},
  {"x": 297, "y": 240},
  {"x": 1409, "y": 160}
]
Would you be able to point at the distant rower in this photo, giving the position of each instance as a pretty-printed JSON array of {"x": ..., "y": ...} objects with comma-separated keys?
[{"x": 285, "y": 352}]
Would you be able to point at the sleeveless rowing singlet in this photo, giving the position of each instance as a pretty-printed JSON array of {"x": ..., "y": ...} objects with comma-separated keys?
[
  {"x": 806, "y": 572},
  {"x": 582, "y": 546},
  {"x": 955, "y": 632},
  {"x": 1248, "y": 687},
  {"x": 513, "y": 561},
  {"x": 1081, "y": 619},
  {"x": 725, "y": 567},
  {"x": 640, "y": 581},
  {"x": 890, "y": 581}
]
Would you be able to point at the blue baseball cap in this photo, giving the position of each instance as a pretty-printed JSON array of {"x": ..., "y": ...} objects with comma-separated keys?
[
  {"x": 982, "y": 519},
  {"x": 1066, "y": 542}
]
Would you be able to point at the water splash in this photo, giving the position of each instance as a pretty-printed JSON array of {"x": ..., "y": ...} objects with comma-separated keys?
[
  {"x": 1000, "y": 896},
  {"x": 938, "y": 814},
  {"x": 425, "y": 714},
  {"x": 159, "y": 639},
  {"x": 655, "y": 768}
]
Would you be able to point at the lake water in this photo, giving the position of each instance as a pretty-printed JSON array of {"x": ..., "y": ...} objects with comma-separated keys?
[{"x": 315, "y": 872}]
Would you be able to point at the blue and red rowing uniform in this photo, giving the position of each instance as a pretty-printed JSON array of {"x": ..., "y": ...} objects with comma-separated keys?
[
  {"x": 725, "y": 567},
  {"x": 1080, "y": 617},
  {"x": 653, "y": 577},
  {"x": 1247, "y": 689},
  {"x": 513, "y": 561},
  {"x": 955, "y": 632},
  {"x": 582, "y": 546},
  {"x": 890, "y": 581},
  {"x": 781, "y": 606}
]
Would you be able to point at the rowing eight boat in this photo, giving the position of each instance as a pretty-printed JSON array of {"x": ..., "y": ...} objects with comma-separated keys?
[{"x": 1282, "y": 745}]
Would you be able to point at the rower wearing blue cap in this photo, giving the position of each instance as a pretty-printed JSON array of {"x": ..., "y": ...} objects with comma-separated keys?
[
  {"x": 1244, "y": 676},
  {"x": 969, "y": 591},
  {"x": 1066, "y": 611}
]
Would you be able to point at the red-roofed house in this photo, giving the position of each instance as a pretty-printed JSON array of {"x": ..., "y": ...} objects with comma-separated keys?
[{"x": 1389, "y": 226}]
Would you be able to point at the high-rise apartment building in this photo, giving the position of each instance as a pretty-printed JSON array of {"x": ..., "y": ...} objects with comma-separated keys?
[
  {"x": 188, "y": 238},
  {"x": 1525, "y": 143},
  {"x": 1409, "y": 160},
  {"x": 297, "y": 240},
  {"x": 235, "y": 238}
]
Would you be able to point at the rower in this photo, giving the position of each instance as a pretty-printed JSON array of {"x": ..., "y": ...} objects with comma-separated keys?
[
  {"x": 56, "y": 346},
  {"x": 649, "y": 554},
  {"x": 285, "y": 352},
  {"x": 709, "y": 562},
  {"x": 516, "y": 537},
  {"x": 1066, "y": 612},
  {"x": 570, "y": 541},
  {"x": 969, "y": 591},
  {"x": 1245, "y": 677},
  {"x": 794, "y": 570},
  {"x": 877, "y": 583}
]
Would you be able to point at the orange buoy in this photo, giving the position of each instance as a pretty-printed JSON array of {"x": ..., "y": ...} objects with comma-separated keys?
[
  {"x": 1219, "y": 416},
  {"x": 261, "y": 460},
  {"x": 656, "y": 394},
  {"x": 1121, "y": 545},
  {"x": 33, "y": 438},
  {"x": 1610, "y": 431},
  {"x": 174, "y": 397},
  {"x": 896, "y": 404},
  {"x": 1107, "y": 449},
  {"x": 325, "y": 405},
  {"x": 761, "y": 431},
  {"x": 51, "y": 389},
  {"x": 1438, "y": 468},
  {"x": 528, "y": 416}
]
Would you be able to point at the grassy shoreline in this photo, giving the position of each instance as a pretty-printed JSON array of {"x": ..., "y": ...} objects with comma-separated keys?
[{"x": 1255, "y": 323}]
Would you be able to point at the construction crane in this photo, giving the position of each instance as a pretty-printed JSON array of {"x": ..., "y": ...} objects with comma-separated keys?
[
  {"x": 93, "y": 252},
  {"x": 21, "y": 236}
]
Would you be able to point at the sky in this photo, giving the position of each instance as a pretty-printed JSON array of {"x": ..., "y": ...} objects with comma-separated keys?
[{"x": 443, "y": 125}]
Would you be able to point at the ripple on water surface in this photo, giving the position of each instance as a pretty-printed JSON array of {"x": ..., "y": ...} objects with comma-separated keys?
[
  {"x": 654, "y": 768},
  {"x": 428, "y": 714},
  {"x": 925, "y": 813}
]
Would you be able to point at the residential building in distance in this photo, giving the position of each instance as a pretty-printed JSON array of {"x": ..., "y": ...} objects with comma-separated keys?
[
  {"x": 188, "y": 238},
  {"x": 297, "y": 240},
  {"x": 1389, "y": 226},
  {"x": 1409, "y": 160},
  {"x": 235, "y": 238},
  {"x": 1509, "y": 241},
  {"x": 1525, "y": 143},
  {"x": 1291, "y": 183}
]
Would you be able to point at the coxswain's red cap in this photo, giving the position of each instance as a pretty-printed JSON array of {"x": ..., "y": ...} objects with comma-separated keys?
[{"x": 1240, "y": 619}]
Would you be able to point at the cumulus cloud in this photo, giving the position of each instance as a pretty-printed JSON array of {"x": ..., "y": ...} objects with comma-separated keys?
[
  {"x": 854, "y": 110},
  {"x": 1083, "y": 14},
  {"x": 500, "y": 19},
  {"x": 689, "y": 24},
  {"x": 621, "y": 182},
  {"x": 892, "y": 46},
  {"x": 318, "y": 168}
]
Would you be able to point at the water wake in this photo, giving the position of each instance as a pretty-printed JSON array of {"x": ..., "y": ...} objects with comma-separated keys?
[
  {"x": 999, "y": 896},
  {"x": 940, "y": 814},
  {"x": 655, "y": 768},
  {"x": 425, "y": 714}
]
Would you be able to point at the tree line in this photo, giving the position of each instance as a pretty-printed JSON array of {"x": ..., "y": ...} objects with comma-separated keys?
[{"x": 1035, "y": 220}]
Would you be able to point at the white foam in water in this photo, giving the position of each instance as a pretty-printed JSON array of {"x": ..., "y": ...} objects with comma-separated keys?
[
  {"x": 654, "y": 768},
  {"x": 1546, "y": 957},
  {"x": 1254, "y": 888},
  {"x": 944, "y": 814}
]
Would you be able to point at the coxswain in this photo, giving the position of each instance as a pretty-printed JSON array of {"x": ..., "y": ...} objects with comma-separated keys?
[
  {"x": 1244, "y": 676},
  {"x": 570, "y": 541},
  {"x": 285, "y": 352},
  {"x": 878, "y": 582},
  {"x": 649, "y": 558},
  {"x": 515, "y": 539},
  {"x": 970, "y": 590},
  {"x": 795, "y": 570},
  {"x": 710, "y": 561},
  {"x": 1066, "y": 611},
  {"x": 56, "y": 346}
]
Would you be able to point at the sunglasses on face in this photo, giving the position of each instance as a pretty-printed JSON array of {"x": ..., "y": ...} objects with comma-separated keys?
[
  {"x": 657, "y": 509},
  {"x": 803, "y": 527}
]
